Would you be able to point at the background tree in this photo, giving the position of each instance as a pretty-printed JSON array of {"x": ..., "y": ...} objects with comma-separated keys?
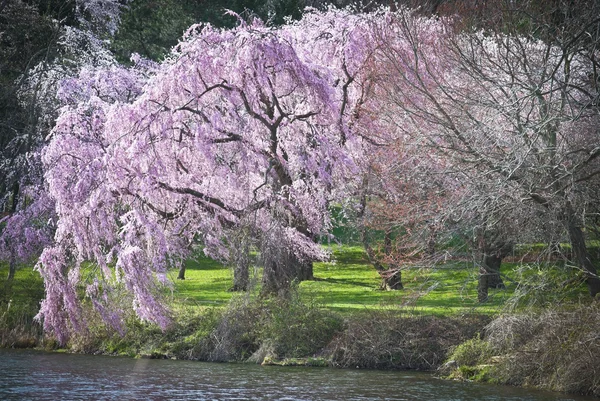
[
  {"x": 20, "y": 54},
  {"x": 43, "y": 42},
  {"x": 505, "y": 110}
]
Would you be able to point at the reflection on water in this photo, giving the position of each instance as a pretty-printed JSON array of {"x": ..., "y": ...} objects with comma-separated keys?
[{"x": 33, "y": 375}]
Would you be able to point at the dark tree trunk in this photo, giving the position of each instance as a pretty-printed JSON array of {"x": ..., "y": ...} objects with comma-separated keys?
[
  {"x": 489, "y": 270},
  {"x": 580, "y": 251},
  {"x": 241, "y": 267},
  {"x": 391, "y": 279},
  {"x": 277, "y": 279},
  {"x": 12, "y": 268},
  {"x": 181, "y": 275},
  {"x": 281, "y": 268},
  {"x": 432, "y": 240},
  {"x": 305, "y": 270},
  {"x": 15, "y": 197},
  {"x": 492, "y": 266}
]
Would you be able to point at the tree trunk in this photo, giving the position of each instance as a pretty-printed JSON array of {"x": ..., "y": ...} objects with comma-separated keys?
[
  {"x": 391, "y": 277},
  {"x": 12, "y": 268},
  {"x": 181, "y": 275},
  {"x": 489, "y": 270},
  {"x": 241, "y": 267},
  {"x": 276, "y": 280},
  {"x": 432, "y": 240},
  {"x": 387, "y": 243},
  {"x": 492, "y": 266},
  {"x": 305, "y": 271},
  {"x": 281, "y": 268},
  {"x": 482, "y": 285},
  {"x": 15, "y": 198},
  {"x": 580, "y": 251}
]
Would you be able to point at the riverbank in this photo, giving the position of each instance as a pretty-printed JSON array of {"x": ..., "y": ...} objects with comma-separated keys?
[
  {"x": 555, "y": 348},
  {"x": 273, "y": 331},
  {"x": 342, "y": 320}
]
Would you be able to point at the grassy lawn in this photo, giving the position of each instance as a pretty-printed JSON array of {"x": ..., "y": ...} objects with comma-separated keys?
[
  {"x": 26, "y": 288},
  {"x": 206, "y": 283},
  {"x": 351, "y": 285},
  {"x": 347, "y": 285}
]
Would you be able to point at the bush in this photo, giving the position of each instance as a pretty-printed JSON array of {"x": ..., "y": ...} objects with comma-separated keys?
[
  {"x": 279, "y": 327},
  {"x": 19, "y": 303},
  {"x": 18, "y": 329},
  {"x": 472, "y": 352},
  {"x": 235, "y": 336},
  {"x": 296, "y": 329},
  {"x": 392, "y": 340},
  {"x": 554, "y": 349}
]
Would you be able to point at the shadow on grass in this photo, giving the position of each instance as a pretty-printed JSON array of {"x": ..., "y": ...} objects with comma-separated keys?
[
  {"x": 343, "y": 281},
  {"x": 201, "y": 262}
]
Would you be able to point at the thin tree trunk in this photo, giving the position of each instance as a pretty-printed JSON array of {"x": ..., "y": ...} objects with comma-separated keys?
[
  {"x": 181, "y": 275},
  {"x": 482, "y": 284},
  {"x": 15, "y": 197},
  {"x": 387, "y": 243},
  {"x": 432, "y": 240},
  {"x": 12, "y": 268}
]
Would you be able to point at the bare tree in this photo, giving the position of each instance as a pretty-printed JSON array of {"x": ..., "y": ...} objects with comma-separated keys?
[{"x": 512, "y": 115}]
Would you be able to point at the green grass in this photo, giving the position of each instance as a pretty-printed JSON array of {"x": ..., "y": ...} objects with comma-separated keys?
[
  {"x": 348, "y": 285},
  {"x": 19, "y": 303},
  {"x": 26, "y": 288},
  {"x": 206, "y": 283},
  {"x": 351, "y": 285}
]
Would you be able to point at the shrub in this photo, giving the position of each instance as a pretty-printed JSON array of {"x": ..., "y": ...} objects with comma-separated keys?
[
  {"x": 235, "y": 336},
  {"x": 296, "y": 329},
  {"x": 18, "y": 329},
  {"x": 472, "y": 352},
  {"x": 553, "y": 349},
  {"x": 392, "y": 340},
  {"x": 279, "y": 327}
]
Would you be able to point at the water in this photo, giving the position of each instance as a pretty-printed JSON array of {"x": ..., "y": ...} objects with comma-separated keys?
[{"x": 34, "y": 375}]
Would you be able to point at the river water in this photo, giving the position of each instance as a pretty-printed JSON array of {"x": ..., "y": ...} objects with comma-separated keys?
[{"x": 36, "y": 375}]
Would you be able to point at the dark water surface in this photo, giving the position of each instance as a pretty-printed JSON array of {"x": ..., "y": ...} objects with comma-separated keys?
[{"x": 35, "y": 375}]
